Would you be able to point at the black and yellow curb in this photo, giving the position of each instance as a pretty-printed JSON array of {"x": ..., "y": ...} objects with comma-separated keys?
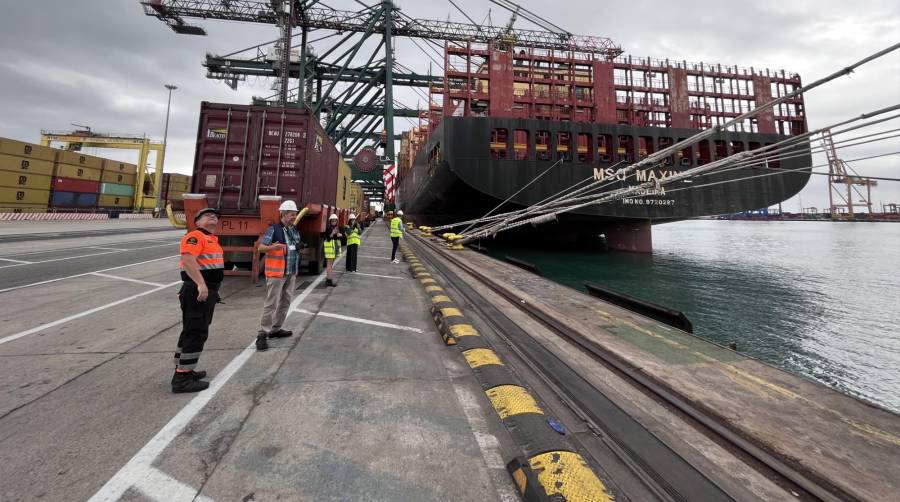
[{"x": 550, "y": 468}]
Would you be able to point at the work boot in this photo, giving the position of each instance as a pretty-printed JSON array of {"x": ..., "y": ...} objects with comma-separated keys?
[
  {"x": 329, "y": 283},
  {"x": 198, "y": 375},
  {"x": 183, "y": 381},
  {"x": 261, "y": 343},
  {"x": 281, "y": 333}
]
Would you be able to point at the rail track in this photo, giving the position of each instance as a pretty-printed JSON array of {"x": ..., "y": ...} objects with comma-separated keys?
[{"x": 662, "y": 470}]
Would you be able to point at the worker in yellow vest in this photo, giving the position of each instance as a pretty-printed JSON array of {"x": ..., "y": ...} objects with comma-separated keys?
[
  {"x": 281, "y": 243},
  {"x": 332, "y": 237},
  {"x": 353, "y": 231},
  {"x": 396, "y": 235}
]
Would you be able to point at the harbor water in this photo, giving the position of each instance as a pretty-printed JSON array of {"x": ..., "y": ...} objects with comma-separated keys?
[{"x": 818, "y": 299}]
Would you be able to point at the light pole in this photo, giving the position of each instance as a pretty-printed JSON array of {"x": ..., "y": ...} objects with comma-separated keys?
[{"x": 157, "y": 181}]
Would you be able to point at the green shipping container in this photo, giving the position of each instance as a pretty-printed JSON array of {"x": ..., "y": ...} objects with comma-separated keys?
[{"x": 116, "y": 189}]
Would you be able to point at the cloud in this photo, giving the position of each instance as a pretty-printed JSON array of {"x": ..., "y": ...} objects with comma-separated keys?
[{"x": 103, "y": 63}]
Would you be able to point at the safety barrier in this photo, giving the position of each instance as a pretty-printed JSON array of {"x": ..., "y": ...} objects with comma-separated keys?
[
  {"x": 135, "y": 216},
  {"x": 550, "y": 466},
  {"x": 52, "y": 216}
]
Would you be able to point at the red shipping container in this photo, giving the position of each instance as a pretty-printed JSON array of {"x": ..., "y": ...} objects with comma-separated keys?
[
  {"x": 75, "y": 185},
  {"x": 247, "y": 151}
]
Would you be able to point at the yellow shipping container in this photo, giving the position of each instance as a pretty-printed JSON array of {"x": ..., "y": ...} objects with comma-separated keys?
[
  {"x": 25, "y": 165},
  {"x": 78, "y": 172},
  {"x": 79, "y": 159},
  {"x": 343, "y": 185},
  {"x": 25, "y": 180},
  {"x": 27, "y": 150},
  {"x": 23, "y": 208},
  {"x": 10, "y": 195},
  {"x": 118, "y": 178},
  {"x": 178, "y": 187},
  {"x": 115, "y": 201},
  {"x": 119, "y": 167}
]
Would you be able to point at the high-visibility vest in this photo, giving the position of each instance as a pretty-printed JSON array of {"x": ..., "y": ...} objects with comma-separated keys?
[
  {"x": 211, "y": 255},
  {"x": 275, "y": 263},
  {"x": 396, "y": 223},
  {"x": 353, "y": 236},
  {"x": 332, "y": 248}
]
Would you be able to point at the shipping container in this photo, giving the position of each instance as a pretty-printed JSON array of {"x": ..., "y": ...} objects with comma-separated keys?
[
  {"x": 22, "y": 208},
  {"x": 75, "y": 185},
  {"x": 73, "y": 199},
  {"x": 25, "y": 165},
  {"x": 344, "y": 177},
  {"x": 79, "y": 159},
  {"x": 118, "y": 178},
  {"x": 247, "y": 151},
  {"x": 12, "y": 195},
  {"x": 25, "y": 180},
  {"x": 27, "y": 150},
  {"x": 77, "y": 172},
  {"x": 114, "y": 189},
  {"x": 119, "y": 167},
  {"x": 115, "y": 201}
]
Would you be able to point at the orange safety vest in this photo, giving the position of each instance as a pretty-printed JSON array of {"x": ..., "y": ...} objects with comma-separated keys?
[
  {"x": 205, "y": 247},
  {"x": 275, "y": 263}
]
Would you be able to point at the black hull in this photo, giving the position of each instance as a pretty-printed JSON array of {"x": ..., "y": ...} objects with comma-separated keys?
[{"x": 455, "y": 177}]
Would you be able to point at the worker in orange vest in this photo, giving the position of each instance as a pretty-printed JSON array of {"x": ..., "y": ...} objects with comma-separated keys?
[
  {"x": 281, "y": 243},
  {"x": 202, "y": 270}
]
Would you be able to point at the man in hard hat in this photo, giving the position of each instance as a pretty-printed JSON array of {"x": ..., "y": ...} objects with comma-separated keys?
[
  {"x": 202, "y": 270},
  {"x": 396, "y": 234},
  {"x": 332, "y": 237},
  {"x": 353, "y": 231},
  {"x": 281, "y": 243}
]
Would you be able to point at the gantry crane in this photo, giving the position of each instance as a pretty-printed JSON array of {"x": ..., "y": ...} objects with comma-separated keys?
[
  {"x": 839, "y": 176},
  {"x": 85, "y": 138},
  {"x": 370, "y": 87}
]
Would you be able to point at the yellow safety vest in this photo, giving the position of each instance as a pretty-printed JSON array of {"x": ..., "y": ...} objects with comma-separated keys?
[
  {"x": 332, "y": 248},
  {"x": 395, "y": 227},
  {"x": 353, "y": 237}
]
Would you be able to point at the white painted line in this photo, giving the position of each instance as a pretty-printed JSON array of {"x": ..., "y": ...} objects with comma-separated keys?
[
  {"x": 160, "y": 487},
  {"x": 376, "y": 257},
  {"x": 487, "y": 442},
  {"x": 129, "y": 279},
  {"x": 138, "y": 468},
  {"x": 376, "y": 275},
  {"x": 84, "y": 274},
  {"x": 68, "y": 248},
  {"x": 16, "y": 261},
  {"x": 110, "y": 249},
  {"x": 362, "y": 321},
  {"x": 79, "y": 315},
  {"x": 88, "y": 255}
]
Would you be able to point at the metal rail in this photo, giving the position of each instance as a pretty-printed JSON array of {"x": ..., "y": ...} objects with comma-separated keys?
[{"x": 809, "y": 485}]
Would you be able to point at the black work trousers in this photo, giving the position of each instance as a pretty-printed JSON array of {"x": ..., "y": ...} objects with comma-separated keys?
[
  {"x": 396, "y": 242},
  {"x": 352, "y": 250},
  {"x": 196, "y": 316}
]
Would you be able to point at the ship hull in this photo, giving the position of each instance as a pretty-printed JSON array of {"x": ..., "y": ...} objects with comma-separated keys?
[{"x": 458, "y": 176}]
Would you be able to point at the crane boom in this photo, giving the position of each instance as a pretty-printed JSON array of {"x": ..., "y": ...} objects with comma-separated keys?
[{"x": 174, "y": 12}]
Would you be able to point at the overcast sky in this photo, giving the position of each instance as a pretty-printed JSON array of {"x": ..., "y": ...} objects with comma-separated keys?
[{"x": 103, "y": 63}]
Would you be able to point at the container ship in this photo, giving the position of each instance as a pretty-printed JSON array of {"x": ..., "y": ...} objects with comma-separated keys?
[{"x": 503, "y": 115}]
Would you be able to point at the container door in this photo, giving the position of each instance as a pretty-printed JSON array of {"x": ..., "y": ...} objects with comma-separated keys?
[
  {"x": 280, "y": 155},
  {"x": 223, "y": 156}
]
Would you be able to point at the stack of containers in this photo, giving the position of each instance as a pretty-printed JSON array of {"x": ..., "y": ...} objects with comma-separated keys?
[
  {"x": 173, "y": 187},
  {"x": 117, "y": 185},
  {"x": 26, "y": 172},
  {"x": 76, "y": 181}
]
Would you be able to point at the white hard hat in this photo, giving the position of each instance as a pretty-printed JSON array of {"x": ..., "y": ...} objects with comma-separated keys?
[
  {"x": 332, "y": 217},
  {"x": 352, "y": 216},
  {"x": 288, "y": 205},
  {"x": 399, "y": 213}
]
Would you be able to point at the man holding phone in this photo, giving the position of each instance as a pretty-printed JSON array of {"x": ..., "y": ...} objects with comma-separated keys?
[{"x": 281, "y": 244}]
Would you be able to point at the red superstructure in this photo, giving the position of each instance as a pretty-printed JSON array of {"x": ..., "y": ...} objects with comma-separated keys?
[{"x": 496, "y": 80}]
